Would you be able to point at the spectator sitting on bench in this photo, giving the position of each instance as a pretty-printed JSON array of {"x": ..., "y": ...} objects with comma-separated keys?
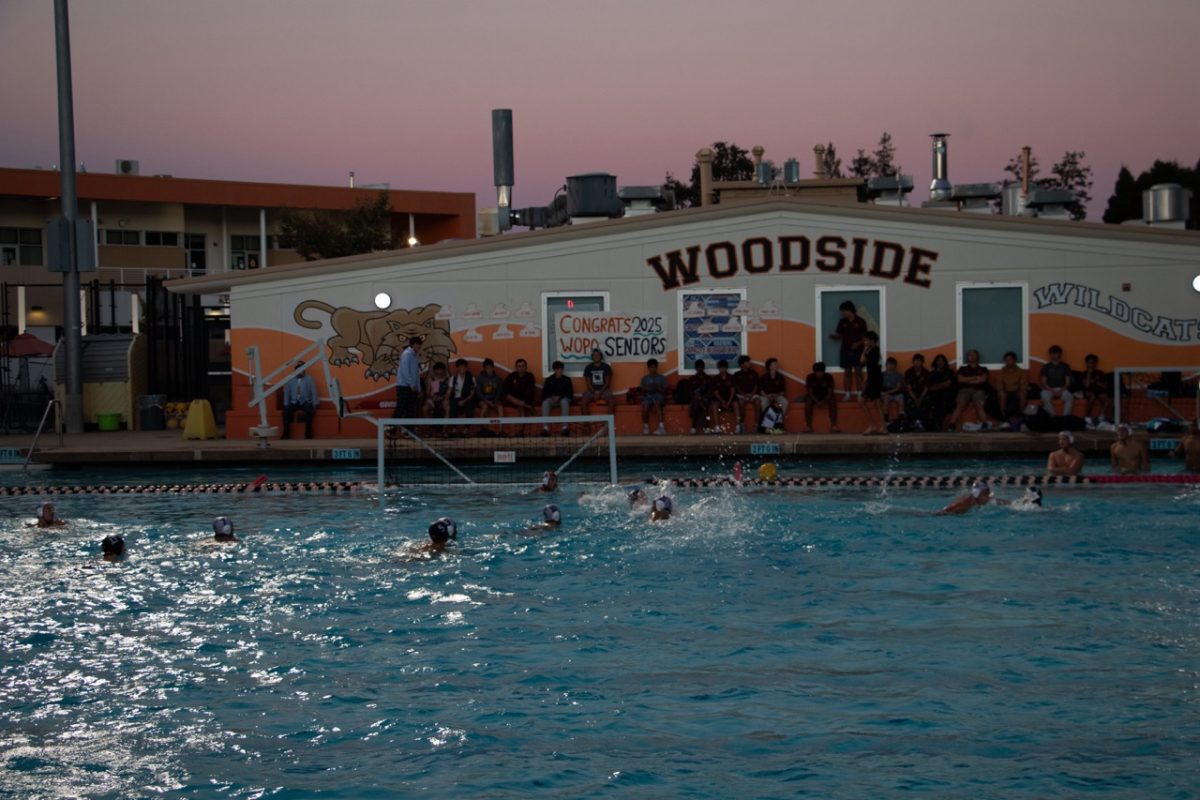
[
  {"x": 818, "y": 391},
  {"x": 654, "y": 395},
  {"x": 460, "y": 399},
  {"x": 557, "y": 389},
  {"x": 517, "y": 391},
  {"x": 437, "y": 385},
  {"x": 300, "y": 394},
  {"x": 772, "y": 388},
  {"x": 487, "y": 390},
  {"x": 1097, "y": 390},
  {"x": 745, "y": 380},
  {"x": 1055, "y": 382}
]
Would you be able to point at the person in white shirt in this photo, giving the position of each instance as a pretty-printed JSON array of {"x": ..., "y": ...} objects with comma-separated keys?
[{"x": 300, "y": 394}]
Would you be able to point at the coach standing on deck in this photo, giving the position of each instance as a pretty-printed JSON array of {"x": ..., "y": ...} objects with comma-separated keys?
[{"x": 408, "y": 380}]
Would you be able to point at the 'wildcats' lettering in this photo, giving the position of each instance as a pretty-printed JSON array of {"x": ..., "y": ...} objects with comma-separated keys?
[
  {"x": 1168, "y": 328},
  {"x": 759, "y": 255}
]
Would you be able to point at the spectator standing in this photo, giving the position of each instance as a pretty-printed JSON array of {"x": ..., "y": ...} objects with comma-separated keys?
[
  {"x": 654, "y": 397},
  {"x": 872, "y": 391},
  {"x": 1056, "y": 382},
  {"x": 300, "y": 394},
  {"x": 849, "y": 333},
  {"x": 557, "y": 389},
  {"x": 408, "y": 379}
]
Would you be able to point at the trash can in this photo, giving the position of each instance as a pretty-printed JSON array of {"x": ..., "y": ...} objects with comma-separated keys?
[
  {"x": 108, "y": 422},
  {"x": 150, "y": 412}
]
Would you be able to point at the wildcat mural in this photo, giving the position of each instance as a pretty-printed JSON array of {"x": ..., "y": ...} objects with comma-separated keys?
[{"x": 375, "y": 338}]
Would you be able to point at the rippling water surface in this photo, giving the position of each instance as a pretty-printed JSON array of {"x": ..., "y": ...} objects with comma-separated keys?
[{"x": 760, "y": 644}]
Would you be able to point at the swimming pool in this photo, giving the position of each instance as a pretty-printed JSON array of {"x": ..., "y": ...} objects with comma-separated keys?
[{"x": 762, "y": 643}]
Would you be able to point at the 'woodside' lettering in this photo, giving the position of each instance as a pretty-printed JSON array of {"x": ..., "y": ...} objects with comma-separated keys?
[{"x": 759, "y": 255}]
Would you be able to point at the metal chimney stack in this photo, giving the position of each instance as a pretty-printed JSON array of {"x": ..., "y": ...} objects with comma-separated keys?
[
  {"x": 502, "y": 162},
  {"x": 939, "y": 188}
]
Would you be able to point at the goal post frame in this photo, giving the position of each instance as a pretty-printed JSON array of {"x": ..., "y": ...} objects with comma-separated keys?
[
  {"x": 1189, "y": 373},
  {"x": 382, "y": 424}
]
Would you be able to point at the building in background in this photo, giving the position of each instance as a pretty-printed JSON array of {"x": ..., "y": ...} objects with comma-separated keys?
[{"x": 155, "y": 228}]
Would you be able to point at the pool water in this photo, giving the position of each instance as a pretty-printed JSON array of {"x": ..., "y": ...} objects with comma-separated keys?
[{"x": 762, "y": 643}]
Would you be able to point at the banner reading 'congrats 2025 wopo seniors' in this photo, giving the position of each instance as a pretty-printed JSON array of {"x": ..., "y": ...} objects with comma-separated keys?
[{"x": 619, "y": 335}]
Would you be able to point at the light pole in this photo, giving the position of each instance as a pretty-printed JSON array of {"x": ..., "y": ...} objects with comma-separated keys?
[{"x": 66, "y": 163}]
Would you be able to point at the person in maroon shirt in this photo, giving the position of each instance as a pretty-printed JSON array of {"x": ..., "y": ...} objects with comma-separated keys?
[
  {"x": 724, "y": 396},
  {"x": 745, "y": 381},
  {"x": 819, "y": 391},
  {"x": 973, "y": 380},
  {"x": 516, "y": 392},
  {"x": 849, "y": 332},
  {"x": 916, "y": 392},
  {"x": 772, "y": 388}
]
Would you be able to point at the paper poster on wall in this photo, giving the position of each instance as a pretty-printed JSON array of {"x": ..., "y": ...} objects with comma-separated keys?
[
  {"x": 620, "y": 336},
  {"x": 712, "y": 327}
]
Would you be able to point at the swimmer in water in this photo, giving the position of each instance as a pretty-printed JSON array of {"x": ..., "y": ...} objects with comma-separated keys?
[
  {"x": 46, "y": 517},
  {"x": 661, "y": 510},
  {"x": 113, "y": 547},
  {"x": 638, "y": 499},
  {"x": 441, "y": 531},
  {"x": 1030, "y": 500},
  {"x": 549, "y": 481},
  {"x": 980, "y": 495},
  {"x": 223, "y": 530},
  {"x": 1066, "y": 460},
  {"x": 551, "y": 516}
]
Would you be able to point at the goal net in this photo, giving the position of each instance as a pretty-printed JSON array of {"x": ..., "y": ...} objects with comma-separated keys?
[
  {"x": 1145, "y": 394},
  {"x": 508, "y": 450}
]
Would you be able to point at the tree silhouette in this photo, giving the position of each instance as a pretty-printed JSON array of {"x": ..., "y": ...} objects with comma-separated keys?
[
  {"x": 317, "y": 234},
  {"x": 1126, "y": 200},
  {"x": 831, "y": 165}
]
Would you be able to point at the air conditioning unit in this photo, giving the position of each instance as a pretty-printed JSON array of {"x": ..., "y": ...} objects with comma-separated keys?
[{"x": 126, "y": 166}]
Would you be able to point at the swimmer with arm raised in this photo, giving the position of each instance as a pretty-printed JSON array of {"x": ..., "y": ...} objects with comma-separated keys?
[{"x": 980, "y": 495}]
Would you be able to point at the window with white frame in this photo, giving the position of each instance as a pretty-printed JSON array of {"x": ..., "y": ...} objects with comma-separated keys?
[
  {"x": 21, "y": 247},
  {"x": 712, "y": 326},
  {"x": 993, "y": 318},
  {"x": 868, "y": 304},
  {"x": 575, "y": 352}
]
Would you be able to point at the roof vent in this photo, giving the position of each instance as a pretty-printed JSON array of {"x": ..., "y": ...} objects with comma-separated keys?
[
  {"x": 1165, "y": 204},
  {"x": 939, "y": 188},
  {"x": 126, "y": 166}
]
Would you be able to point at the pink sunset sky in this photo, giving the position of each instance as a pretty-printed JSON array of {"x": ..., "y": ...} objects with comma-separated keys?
[{"x": 305, "y": 91}]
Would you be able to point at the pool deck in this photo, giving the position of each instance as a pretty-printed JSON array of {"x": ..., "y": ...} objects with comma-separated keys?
[{"x": 169, "y": 447}]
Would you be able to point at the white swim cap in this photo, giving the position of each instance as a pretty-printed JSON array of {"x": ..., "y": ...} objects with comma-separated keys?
[
  {"x": 223, "y": 526},
  {"x": 546, "y": 478},
  {"x": 1070, "y": 437},
  {"x": 978, "y": 488},
  {"x": 662, "y": 503},
  {"x": 1124, "y": 427},
  {"x": 443, "y": 527},
  {"x": 551, "y": 513},
  {"x": 41, "y": 509},
  {"x": 1033, "y": 495}
]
